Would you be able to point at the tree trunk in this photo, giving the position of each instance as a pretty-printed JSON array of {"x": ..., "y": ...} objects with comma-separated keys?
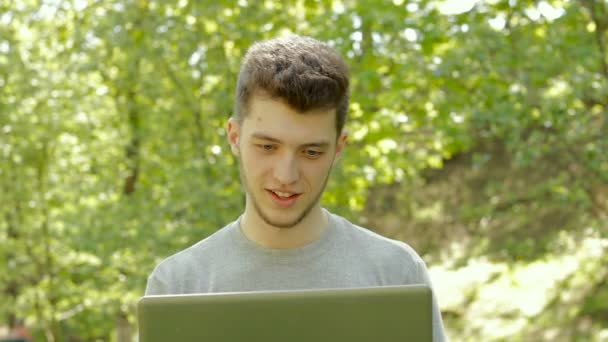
[{"x": 124, "y": 330}]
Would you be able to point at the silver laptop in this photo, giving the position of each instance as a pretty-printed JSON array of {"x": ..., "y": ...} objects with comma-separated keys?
[{"x": 393, "y": 313}]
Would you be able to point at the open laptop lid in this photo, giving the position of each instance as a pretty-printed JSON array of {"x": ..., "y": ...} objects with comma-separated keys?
[{"x": 393, "y": 313}]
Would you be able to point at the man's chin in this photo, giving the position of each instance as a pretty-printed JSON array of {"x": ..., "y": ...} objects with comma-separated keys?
[{"x": 281, "y": 219}]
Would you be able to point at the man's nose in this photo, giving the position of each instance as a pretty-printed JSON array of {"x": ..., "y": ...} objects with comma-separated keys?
[{"x": 286, "y": 170}]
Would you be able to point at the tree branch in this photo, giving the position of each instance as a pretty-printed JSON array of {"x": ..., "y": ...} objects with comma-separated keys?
[{"x": 600, "y": 28}]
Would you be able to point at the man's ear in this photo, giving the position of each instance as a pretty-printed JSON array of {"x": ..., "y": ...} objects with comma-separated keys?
[
  {"x": 234, "y": 134},
  {"x": 340, "y": 145}
]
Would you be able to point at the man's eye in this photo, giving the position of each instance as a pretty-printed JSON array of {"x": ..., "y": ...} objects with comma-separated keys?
[
  {"x": 266, "y": 147},
  {"x": 313, "y": 153}
]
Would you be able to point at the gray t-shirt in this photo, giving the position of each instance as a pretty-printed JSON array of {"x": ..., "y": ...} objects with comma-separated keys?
[{"x": 346, "y": 256}]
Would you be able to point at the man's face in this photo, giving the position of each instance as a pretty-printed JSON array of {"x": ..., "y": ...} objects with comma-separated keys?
[{"x": 285, "y": 158}]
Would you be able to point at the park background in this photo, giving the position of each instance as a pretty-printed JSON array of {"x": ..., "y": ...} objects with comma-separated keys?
[{"x": 478, "y": 134}]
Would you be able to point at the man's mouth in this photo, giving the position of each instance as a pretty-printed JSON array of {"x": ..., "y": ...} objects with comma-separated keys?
[
  {"x": 284, "y": 194},
  {"x": 284, "y": 199}
]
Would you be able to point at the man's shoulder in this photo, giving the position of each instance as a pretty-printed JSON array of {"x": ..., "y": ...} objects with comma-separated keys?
[
  {"x": 200, "y": 251},
  {"x": 180, "y": 272},
  {"x": 368, "y": 239}
]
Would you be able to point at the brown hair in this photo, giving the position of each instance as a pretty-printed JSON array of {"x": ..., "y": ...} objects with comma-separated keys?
[{"x": 302, "y": 71}]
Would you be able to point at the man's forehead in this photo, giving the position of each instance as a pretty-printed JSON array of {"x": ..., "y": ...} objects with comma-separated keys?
[{"x": 274, "y": 119}]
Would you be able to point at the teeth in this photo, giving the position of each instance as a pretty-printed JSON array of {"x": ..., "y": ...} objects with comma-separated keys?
[{"x": 282, "y": 194}]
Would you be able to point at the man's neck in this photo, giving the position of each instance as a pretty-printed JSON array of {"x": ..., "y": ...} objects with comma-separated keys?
[{"x": 310, "y": 229}]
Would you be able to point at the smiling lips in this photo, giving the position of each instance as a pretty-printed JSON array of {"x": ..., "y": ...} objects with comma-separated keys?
[{"x": 283, "y": 199}]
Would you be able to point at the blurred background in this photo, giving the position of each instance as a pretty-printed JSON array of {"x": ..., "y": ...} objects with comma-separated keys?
[{"x": 478, "y": 134}]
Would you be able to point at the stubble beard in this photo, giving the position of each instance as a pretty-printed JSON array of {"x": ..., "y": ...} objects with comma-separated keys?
[{"x": 266, "y": 218}]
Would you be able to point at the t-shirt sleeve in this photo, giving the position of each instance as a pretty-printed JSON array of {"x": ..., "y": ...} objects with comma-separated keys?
[
  {"x": 438, "y": 329},
  {"x": 157, "y": 285}
]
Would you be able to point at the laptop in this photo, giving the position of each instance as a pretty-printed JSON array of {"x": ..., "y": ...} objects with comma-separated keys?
[{"x": 391, "y": 313}]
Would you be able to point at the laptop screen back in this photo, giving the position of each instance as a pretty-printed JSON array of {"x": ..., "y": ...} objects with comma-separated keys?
[{"x": 394, "y": 313}]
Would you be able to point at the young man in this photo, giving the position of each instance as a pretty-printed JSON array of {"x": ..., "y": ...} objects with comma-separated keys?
[{"x": 287, "y": 133}]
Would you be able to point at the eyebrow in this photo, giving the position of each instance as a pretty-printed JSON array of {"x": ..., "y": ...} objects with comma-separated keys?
[{"x": 261, "y": 136}]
